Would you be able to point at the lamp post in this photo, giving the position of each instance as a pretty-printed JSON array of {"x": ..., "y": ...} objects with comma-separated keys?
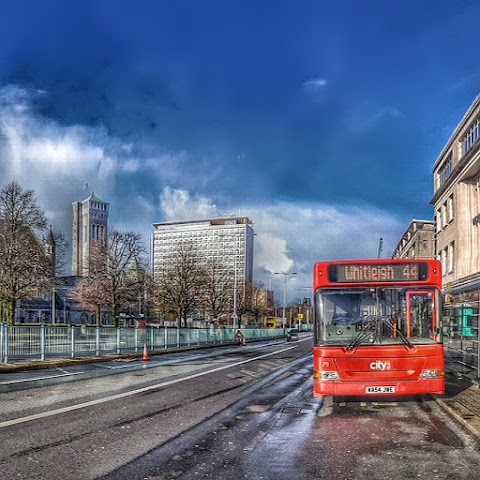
[
  {"x": 235, "y": 287},
  {"x": 54, "y": 313},
  {"x": 236, "y": 255},
  {"x": 284, "y": 320}
]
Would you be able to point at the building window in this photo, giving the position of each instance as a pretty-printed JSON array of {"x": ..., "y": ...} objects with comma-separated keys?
[
  {"x": 450, "y": 209},
  {"x": 443, "y": 259},
  {"x": 439, "y": 220},
  {"x": 451, "y": 257},
  {"x": 446, "y": 169},
  {"x": 471, "y": 136}
]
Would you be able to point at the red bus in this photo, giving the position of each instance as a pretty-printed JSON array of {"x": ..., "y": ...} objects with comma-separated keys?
[{"x": 378, "y": 328}]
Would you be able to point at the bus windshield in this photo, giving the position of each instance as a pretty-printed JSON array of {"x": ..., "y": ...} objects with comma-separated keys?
[{"x": 356, "y": 316}]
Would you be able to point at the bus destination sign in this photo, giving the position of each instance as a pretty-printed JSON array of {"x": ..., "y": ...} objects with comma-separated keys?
[{"x": 370, "y": 273}]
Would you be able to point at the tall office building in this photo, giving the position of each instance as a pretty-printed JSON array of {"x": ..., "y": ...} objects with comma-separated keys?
[
  {"x": 228, "y": 241},
  {"x": 90, "y": 224}
]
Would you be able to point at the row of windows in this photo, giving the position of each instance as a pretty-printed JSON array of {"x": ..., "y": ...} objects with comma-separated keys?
[
  {"x": 97, "y": 232},
  {"x": 446, "y": 170},
  {"x": 445, "y": 214},
  {"x": 467, "y": 142},
  {"x": 188, "y": 231},
  {"x": 99, "y": 206},
  {"x": 471, "y": 136},
  {"x": 225, "y": 258}
]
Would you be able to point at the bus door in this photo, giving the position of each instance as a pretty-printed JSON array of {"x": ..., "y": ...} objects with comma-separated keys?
[{"x": 422, "y": 318}]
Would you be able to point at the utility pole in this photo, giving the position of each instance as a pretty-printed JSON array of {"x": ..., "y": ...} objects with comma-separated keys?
[{"x": 284, "y": 320}]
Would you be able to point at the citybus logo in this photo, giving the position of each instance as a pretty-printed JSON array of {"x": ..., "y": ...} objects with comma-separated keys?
[{"x": 380, "y": 365}]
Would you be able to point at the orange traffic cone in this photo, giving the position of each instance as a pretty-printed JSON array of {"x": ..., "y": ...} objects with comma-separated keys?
[{"x": 146, "y": 357}]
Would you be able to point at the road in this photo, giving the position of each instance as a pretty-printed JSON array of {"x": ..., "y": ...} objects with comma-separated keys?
[{"x": 224, "y": 413}]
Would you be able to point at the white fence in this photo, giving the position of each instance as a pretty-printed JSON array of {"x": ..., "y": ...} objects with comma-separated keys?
[{"x": 23, "y": 342}]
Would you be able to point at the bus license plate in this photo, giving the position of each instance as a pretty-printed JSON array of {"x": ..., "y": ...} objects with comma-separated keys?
[{"x": 380, "y": 389}]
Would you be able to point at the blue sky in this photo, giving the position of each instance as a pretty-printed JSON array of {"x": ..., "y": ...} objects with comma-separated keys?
[{"x": 320, "y": 120}]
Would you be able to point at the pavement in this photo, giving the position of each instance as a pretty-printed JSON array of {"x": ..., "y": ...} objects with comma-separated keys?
[
  {"x": 461, "y": 399},
  {"x": 462, "y": 394}
]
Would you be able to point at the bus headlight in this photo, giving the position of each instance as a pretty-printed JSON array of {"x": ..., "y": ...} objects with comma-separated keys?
[
  {"x": 434, "y": 373},
  {"x": 326, "y": 376}
]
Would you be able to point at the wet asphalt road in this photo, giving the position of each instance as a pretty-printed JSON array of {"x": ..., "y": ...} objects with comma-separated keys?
[
  {"x": 282, "y": 433},
  {"x": 238, "y": 413}
]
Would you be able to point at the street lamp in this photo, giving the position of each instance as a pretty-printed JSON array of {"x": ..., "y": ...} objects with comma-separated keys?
[
  {"x": 235, "y": 287},
  {"x": 284, "y": 320},
  {"x": 235, "y": 255}
]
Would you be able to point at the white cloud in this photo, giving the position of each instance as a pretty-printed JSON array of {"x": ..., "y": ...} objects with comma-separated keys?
[
  {"x": 315, "y": 84},
  {"x": 271, "y": 253},
  {"x": 58, "y": 161},
  {"x": 180, "y": 205},
  {"x": 291, "y": 238},
  {"x": 40, "y": 153}
]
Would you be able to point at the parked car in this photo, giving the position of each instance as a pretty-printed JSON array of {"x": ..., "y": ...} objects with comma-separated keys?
[{"x": 292, "y": 335}]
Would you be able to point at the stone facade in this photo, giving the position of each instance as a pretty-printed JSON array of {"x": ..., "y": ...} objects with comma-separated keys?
[
  {"x": 456, "y": 202},
  {"x": 90, "y": 224},
  {"x": 418, "y": 241}
]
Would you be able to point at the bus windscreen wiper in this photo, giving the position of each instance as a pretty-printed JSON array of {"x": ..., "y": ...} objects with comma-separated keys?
[
  {"x": 396, "y": 331},
  {"x": 372, "y": 327},
  {"x": 364, "y": 333}
]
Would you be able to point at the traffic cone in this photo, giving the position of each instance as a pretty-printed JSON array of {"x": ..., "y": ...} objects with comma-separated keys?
[{"x": 146, "y": 357}]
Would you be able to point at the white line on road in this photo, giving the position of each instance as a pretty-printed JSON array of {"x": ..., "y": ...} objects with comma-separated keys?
[
  {"x": 127, "y": 365},
  {"x": 99, "y": 401},
  {"x": 22, "y": 380}
]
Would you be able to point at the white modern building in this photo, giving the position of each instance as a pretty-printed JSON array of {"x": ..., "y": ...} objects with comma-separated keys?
[
  {"x": 90, "y": 224},
  {"x": 227, "y": 241}
]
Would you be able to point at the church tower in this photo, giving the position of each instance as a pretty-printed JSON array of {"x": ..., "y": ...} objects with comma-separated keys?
[
  {"x": 51, "y": 250},
  {"x": 90, "y": 224}
]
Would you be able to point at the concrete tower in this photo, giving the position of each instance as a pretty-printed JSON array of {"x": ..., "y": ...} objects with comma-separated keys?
[{"x": 90, "y": 224}]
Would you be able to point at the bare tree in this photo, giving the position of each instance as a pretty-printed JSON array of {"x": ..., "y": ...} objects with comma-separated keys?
[
  {"x": 25, "y": 269},
  {"x": 114, "y": 275},
  {"x": 60, "y": 245},
  {"x": 91, "y": 292},
  {"x": 258, "y": 305},
  {"x": 178, "y": 285},
  {"x": 216, "y": 291}
]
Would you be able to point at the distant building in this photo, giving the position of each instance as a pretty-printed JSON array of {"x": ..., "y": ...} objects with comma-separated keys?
[
  {"x": 265, "y": 299},
  {"x": 418, "y": 241},
  {"x": 90, "y": 224},
  {"x": 227, "y": 241},
  {"x": 456, "y": 201}
]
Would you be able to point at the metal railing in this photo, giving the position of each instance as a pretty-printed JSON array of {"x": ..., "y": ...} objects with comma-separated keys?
[
  {"x": 462, "y": 343},
  {"x": 24, "y": 342}
]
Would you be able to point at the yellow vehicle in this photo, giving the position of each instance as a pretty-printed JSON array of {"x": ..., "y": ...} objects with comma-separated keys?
[{"x": 273, "y": 322}]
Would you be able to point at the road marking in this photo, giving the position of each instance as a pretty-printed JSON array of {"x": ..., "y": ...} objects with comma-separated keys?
[
  {"x": 99, "y": 401},
  {"x": 41, "y": 378},
  {"x": 127, "y": 365}
]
